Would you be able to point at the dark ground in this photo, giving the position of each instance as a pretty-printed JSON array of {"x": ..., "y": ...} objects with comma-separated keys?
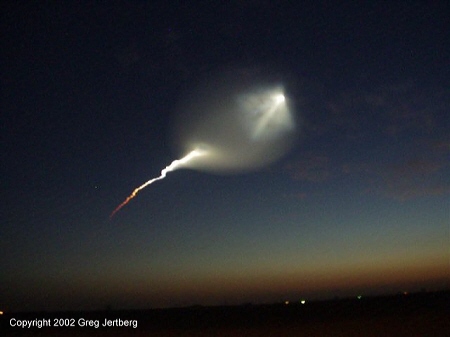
[{"x": 421, "y": 314}]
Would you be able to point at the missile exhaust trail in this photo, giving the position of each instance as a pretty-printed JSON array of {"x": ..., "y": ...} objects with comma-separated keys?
[
  {"x": 235, "y": 123},
  {"x": 172, "y": 167}
]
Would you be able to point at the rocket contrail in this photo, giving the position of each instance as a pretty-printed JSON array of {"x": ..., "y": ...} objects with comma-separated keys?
[
  {"x": 173, "y": 166},
  {"x": 231, "y": 126}
]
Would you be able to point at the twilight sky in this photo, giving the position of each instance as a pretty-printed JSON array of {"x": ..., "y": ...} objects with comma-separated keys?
[{"x": 89, "y": 97}]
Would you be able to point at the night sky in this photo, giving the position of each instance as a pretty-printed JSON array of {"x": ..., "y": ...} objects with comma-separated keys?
[{"x": 89, "y": 93}]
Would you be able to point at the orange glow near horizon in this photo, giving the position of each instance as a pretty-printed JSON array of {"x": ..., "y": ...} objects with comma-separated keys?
[
  {"x": 223, "y": 288},
  {"x": 265, "y": 288}
]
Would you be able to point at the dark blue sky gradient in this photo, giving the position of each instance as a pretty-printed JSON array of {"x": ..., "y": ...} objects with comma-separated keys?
[{"x": 89, "y": 93}]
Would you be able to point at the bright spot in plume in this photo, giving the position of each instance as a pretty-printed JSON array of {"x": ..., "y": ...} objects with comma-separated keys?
[
  {"x": 266, "y": 115},
  {"x": 279, "y": 98}
]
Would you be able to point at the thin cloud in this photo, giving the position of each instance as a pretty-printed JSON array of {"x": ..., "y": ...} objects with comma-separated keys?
[
  {"x": 314, "y": 169},
  {"x": 391, "y": 110},
  {"x": 415, "y": 178},
  {"x": 404, "y": 180}
]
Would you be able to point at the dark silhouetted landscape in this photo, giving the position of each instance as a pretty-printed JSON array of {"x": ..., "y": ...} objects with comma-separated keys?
[{"x": 419, "y": 314}]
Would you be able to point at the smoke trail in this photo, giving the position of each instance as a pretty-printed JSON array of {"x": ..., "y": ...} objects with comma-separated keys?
[
  {"x": 172, "y": 167},
  {"x": 234, "y": 122}
]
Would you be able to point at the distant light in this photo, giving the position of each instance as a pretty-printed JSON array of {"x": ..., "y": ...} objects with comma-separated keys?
[
  {"x": 359, "y": 297},
  {"x": 302, "y": 301},
  {"x": 286, "y": 302},
  {"x": 1, "y": 312},
  {"x": 405, "y": 293}
]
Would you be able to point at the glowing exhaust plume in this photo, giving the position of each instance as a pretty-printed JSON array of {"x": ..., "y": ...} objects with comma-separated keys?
[
  {"x": 243, "y": 127},
  {"x": 233, "y": 122},
  {"x": 172, "y": 167}
]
